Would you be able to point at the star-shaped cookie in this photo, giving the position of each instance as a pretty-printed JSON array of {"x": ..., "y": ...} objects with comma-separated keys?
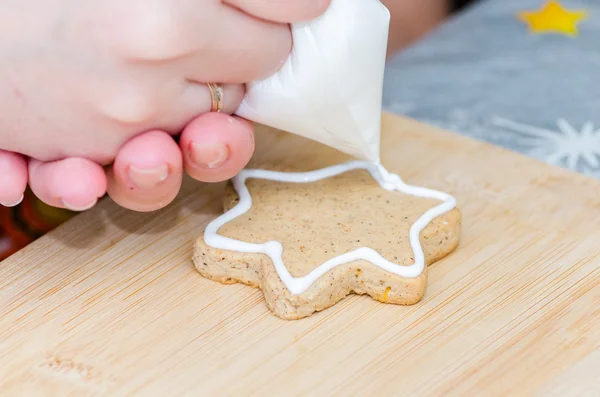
[{"x": 311, "y": 238}]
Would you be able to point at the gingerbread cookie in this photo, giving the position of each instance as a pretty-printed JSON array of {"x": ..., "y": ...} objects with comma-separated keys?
[{"x": 308, "y": 239}]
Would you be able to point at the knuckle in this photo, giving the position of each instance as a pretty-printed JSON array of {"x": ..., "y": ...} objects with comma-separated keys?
[
  {"x": 152, "y": 33},
  {"x": 131, "y": 106}
]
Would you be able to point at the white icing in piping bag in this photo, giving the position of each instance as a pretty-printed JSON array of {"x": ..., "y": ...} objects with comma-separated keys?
[
  {"x": 274, "y": 249},
  {"x": 330, "y": 88}
]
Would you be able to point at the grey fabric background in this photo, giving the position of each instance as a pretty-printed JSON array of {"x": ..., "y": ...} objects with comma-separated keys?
[{"x": 485, "y": 75}]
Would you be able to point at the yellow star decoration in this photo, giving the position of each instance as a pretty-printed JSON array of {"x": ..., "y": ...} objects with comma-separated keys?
[{"x": 553, "y": 18}]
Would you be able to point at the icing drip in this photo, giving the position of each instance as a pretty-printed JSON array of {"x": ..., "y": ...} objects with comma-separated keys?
[{"x": 274, "y": 249}]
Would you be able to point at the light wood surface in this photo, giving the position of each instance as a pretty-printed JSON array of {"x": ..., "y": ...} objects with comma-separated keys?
[{"x": 109, "y": 303}]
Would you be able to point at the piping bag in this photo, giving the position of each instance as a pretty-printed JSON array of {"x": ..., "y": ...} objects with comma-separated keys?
[{"x": 330, "y": 88}]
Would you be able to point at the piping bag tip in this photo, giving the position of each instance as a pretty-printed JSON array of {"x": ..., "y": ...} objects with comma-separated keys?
[{"x": 330, "y": 88}]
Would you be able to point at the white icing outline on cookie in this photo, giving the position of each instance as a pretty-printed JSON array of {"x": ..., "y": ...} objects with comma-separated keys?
[{"x": 274, "y": 249}]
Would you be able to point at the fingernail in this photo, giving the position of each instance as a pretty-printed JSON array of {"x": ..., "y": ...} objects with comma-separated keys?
[
  {"x": 79, "y": 208},
  {"x": 13, "y": 204},
  {"x": 208, "y": 155},
  {"x": 148, "y": 178}
]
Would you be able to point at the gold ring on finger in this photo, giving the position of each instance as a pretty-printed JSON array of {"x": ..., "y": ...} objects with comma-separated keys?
[{"x": 216, "y": 95}]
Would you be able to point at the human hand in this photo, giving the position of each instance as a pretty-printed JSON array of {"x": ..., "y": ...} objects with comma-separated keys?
[{"x": 107, "y": 82}]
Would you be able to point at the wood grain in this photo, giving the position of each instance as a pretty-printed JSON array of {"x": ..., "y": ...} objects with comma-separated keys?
[{"x": 109, "y": 303}]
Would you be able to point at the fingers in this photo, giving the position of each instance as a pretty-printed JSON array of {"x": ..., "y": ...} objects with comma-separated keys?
[
  {"x": 216, "y": 146},
  {"x": 13, "y": 178},
  {"x": 195, "y": 99},
  {"x": 240, "y": 48},
  {"x": 147, "y": 172},
  {"x": 282, "y": 11},
  {"x": 73, "y": 183},
  {"x": 212, "y": 41}
]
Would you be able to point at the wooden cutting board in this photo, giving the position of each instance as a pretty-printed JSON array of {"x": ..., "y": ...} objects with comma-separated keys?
[{"x": 109, "y": 303}]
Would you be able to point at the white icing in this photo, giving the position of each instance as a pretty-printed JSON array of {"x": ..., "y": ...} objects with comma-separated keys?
[
  {"x": 330, "y": 88},
  {"x": 274, "y": 249}
]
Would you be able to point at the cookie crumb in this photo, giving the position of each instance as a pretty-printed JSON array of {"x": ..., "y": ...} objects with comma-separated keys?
[{"x": 385, "y": 294}]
